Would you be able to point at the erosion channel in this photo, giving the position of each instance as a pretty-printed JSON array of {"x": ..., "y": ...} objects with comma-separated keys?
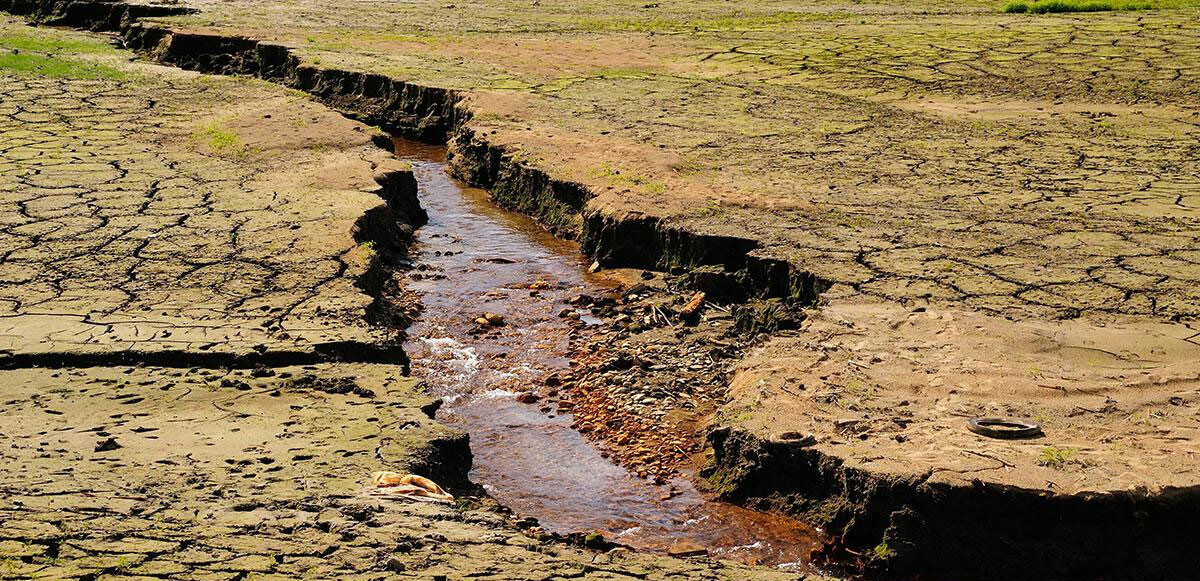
[{"x": 473, "y": 257}]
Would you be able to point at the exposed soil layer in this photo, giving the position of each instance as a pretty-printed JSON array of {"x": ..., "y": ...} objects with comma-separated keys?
[
  {"x": 973, "y": 219},
  {"x": 906, "y": 526}
]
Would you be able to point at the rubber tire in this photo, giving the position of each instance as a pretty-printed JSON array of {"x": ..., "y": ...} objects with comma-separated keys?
[{"x": 1024, "y": 429}]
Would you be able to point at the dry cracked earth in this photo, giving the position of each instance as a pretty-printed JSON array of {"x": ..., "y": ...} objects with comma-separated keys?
[
  {"x": 1023, "y": 166},
  {"x": 1004, "y": 205},
  {"x": 935, "y": 156},
  {"x": 177, "y": 256},
  {"x": 164, "y": 212}
]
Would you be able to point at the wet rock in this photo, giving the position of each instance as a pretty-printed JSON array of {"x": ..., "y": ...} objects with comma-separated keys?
[
  {"x": 594, "y": 541},
  {"x": 490, "y": 320}
]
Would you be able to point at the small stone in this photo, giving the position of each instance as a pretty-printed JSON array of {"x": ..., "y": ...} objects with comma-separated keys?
[{"x": 108, "y": 445}]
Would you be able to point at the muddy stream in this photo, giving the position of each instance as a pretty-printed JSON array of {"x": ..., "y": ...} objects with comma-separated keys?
[{"x": 473, "y": 257}]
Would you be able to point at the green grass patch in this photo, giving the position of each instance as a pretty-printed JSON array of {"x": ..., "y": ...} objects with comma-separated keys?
[
  {"x": 221, "y": 141},
  {"x": 48, "y": 44},
  {"x": 55, "y": 56},
  {"x": 1058, "y": 6},
  {"x": 627, "y": 179},
  {"x": 42, "y": 65}
]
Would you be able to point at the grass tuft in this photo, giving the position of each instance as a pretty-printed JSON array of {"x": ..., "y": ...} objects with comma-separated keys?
[
  {"x": 883, "y": 552},
  {"x": 1059, "y": 458},
  {"x": 221, "y": 141}
]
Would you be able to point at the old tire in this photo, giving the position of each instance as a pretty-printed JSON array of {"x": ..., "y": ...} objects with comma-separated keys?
[{"x": 1004, "y": 428}]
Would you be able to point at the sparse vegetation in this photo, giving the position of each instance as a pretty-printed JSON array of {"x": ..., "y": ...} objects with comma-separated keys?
[
  {"x": 883, "y": 551},
  {"x": 860, "y": 389},
  {"x": 363, "y": 254},
  {"x": 737, "y": 21},
  {"x": 1055, "y": 6},
  {"x": 16, "y": 61},
  {"x": 1058, "y": 458},
  {"x": 44, "y": 44},
  {"x": 627, "y": 179},
  {"x": 221, "y": 141},
  {"x": 47, "y": 56}
]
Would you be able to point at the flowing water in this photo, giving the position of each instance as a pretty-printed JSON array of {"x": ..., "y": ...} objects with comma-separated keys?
[{"x": 473, "y": 257}]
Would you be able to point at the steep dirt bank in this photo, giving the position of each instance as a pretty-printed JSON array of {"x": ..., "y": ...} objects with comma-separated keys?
[
  {"x": 904, "y": 526},
  {"x": 859, "y": 421}
]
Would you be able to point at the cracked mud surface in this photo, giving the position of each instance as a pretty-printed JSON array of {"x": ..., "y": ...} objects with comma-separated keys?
[
  {"x": 998, "y": 171},
  {"x": 1028, "y": 167},
  {"x": 253, "y": 481},
  {"x": 890, "y": 390},
  {"x": 168, "y": 211},
  {"x": 146, "y": 210},
  {"x": 1019, "y": 168}
]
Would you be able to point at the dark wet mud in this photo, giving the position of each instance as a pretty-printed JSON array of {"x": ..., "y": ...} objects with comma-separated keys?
[{"x": 474, "y": 258}]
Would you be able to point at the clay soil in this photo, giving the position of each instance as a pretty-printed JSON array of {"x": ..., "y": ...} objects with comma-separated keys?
[
  {"x": 181, "y": 270},
  {"x": 1000, "y": 210}
]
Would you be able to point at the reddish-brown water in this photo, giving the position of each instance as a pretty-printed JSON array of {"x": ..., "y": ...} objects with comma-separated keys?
[{"x": 473, "y": 257}]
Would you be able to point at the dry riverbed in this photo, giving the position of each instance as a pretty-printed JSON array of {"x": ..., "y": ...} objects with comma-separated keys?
[
  {"x": 984, "y": 213},
  {"x": 181, "y": 265}
]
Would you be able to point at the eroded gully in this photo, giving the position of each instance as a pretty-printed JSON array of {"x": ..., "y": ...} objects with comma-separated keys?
[{"x": 473, "y": 257}]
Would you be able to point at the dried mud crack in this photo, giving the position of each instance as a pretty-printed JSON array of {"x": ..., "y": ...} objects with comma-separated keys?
[
  {"x": 191, "y": 388},
  {"x": 953, "y": 242}
]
